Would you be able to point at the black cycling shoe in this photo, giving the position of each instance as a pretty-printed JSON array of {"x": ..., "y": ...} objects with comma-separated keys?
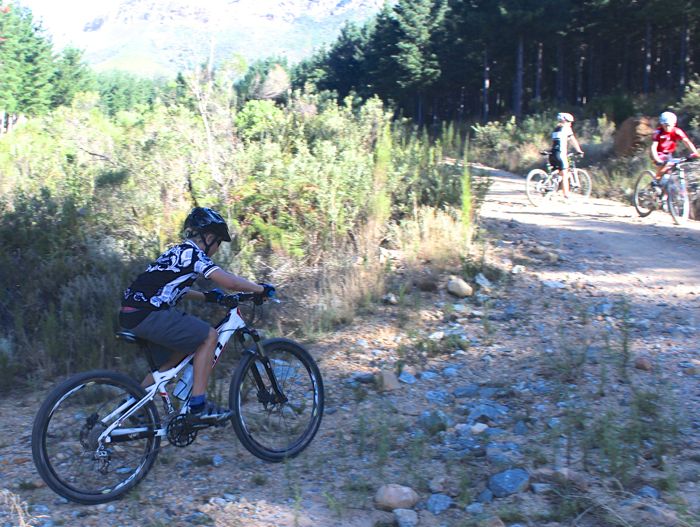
[{"x": 209, "y": 413}]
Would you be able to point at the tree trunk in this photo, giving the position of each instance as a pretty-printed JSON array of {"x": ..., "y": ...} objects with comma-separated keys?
[
  {"x": 591, "y": 89},
  {"x": 538, "y": 71},
  {"x": 518, "y": 84},
  {"x": 486, "y": 87},
  {"x": 647, "y": 60},
  {"x": 684, "y": 58},
  {"x": 560, "y": 71},
  {"x": 579, "y": 75}
]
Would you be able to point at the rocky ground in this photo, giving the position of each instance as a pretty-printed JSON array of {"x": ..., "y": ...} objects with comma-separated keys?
[{"x": 559, "y": 387}]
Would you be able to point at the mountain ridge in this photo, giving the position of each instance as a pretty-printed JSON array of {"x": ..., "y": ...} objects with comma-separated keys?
[{"x": 152, "y": 38}]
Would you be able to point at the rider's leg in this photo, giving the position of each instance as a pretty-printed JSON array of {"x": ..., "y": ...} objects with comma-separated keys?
[
  {"x": 565, "y": 182},
  {"x": 172, "y": 361},
  {"x": 203, "y": 360}
]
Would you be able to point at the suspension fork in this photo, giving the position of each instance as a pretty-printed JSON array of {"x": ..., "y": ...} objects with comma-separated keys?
[{"x": 263, "y": 393}]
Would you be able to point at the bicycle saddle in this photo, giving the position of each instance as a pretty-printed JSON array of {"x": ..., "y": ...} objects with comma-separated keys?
[{"x": 128, "y": 336}]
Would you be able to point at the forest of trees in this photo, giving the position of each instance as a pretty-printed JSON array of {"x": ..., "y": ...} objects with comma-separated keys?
[
  {"x": 35, "y": 79},
  {"x": 465, "y": 59}
]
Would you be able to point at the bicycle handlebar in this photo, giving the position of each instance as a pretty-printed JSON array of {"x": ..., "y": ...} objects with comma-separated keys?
[
  {"x": 679, "y": 160},
  {"x": 232, "y": 301},
  {"x": 570, "y": 154}
]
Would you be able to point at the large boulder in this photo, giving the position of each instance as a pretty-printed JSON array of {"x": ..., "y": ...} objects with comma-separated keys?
[
  {"x": 392, "y": 496},
  {"x": 632, "y": 135}
]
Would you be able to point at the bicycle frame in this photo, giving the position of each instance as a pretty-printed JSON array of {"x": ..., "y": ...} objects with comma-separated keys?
[{"x": 232, "y": 324}]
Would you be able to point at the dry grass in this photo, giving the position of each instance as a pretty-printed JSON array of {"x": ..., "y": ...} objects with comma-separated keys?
[
  {"x": 11, "y": 505},
  {"x": 354, "y": 277}
]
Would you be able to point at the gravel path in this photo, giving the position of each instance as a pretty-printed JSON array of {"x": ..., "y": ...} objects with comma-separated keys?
[{"x": 457, "y": 417}]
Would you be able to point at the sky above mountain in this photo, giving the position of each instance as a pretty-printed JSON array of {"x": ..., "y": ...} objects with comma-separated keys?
[{"x": 160, "y": 37}]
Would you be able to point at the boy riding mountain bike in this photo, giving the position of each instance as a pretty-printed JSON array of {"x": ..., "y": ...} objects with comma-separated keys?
[
  {"x": 561, "y": 136},
  {"x": 664, "y": 141},
  {"x": 148, "y": 305}
]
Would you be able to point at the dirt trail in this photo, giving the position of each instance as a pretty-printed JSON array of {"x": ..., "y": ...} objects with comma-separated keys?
[
  {"x": 606, "y": 240},
  {"x": 586, "y": 254}
]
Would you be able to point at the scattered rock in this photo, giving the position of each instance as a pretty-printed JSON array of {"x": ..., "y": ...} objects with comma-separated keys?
[
  {"x": 406, "y": 517},
  {"x": 483, "y": 282},
  {"x": 648, "y": 491},
  {"x": 491, "y": 521},
  {"x": 393, "y": 496},
  {"x": 553, "y": 284},
  {"x": 485, "y": 496},
  {"x": 459, "y": 288},
  {"x": 475, "y": 508},
  {"x": 438, "y": 503},
  {"x": 389, "y": 381},
  {"x": 479, "y": 428},
  {"x": 433, "y": 421},
  {"x": 509, "y": 482},
  {"x": 643, "y": 363},
  {"x": 407, "y": 378},
  {"x": 390, "y": 299}
]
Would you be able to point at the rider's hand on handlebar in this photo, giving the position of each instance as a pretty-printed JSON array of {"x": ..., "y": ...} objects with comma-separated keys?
[
  {"x": 214, "y": 296},
  {"x": 694, "y": 155},
  {"x": 268, "y": 293}
]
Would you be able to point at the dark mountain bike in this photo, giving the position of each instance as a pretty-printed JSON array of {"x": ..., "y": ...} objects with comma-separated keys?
[
  {"x": 541, "y": 185},
  {"x": 670, "y": 195},
  {"x": 98, "y": 433}
]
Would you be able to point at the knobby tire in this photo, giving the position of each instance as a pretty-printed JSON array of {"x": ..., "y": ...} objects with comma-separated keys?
[
  {"x": 65, "y": 432},
  {"x": 277, "y": 431}
]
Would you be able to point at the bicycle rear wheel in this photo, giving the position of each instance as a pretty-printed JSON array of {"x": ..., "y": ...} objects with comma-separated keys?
[
  {"x": 538, "y": 186},
  {"x": 678, "y": 201},
  {"x": 271, "y": 428},
  {"x": 644, "y": 199},
  {"x": 65, "y": 438},
  {"x": 581, "y": 183}
]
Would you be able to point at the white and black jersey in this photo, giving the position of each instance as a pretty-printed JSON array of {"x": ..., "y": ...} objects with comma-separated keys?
[{"x": 167, "y": 279}]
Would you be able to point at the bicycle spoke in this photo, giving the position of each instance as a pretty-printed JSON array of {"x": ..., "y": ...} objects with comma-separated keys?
[
  {"x": 273, "y": 425},
  {"x": 67, "y": 447}
]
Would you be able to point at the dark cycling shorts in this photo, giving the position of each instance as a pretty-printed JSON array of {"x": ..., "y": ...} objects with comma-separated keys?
[
  {"x": 557, "y": 161},
  {"x": 172, "y": 330}
]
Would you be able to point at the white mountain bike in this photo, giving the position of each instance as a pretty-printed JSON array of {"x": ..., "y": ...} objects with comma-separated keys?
[
  {"x": 541, "y": 185},
  {"x": 98, "y": 433}
]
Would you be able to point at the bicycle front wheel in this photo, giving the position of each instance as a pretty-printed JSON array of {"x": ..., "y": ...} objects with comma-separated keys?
[
  {"x": 678, "y": 201},
  {"x": 274, "y": 425},
  {"x": 644, "y": 199},
  {"x": 538, "y": 186},
  {"x": 580, "y": 183},
  {"x": 67, "y": 451}
]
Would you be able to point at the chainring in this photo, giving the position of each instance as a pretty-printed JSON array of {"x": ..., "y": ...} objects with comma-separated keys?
[{"x": 180, "y": 433}]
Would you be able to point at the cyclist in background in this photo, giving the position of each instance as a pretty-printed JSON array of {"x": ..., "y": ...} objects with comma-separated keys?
[
  {"x": 148, "y": 305},
  {"x": 561, "y": 136},
  {"x": 664, "y": 144}
]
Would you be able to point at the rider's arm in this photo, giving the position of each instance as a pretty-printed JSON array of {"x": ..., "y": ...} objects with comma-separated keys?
[
  {"x": 234, "y": 283},
  {"x": 655, "y": 153},
  {"x": 575, "y": 144},
  {"x": 688, "y": 143}
]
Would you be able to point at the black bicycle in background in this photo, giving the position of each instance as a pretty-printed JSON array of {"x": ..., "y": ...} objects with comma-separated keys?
[{"x": 671, "y": 194}]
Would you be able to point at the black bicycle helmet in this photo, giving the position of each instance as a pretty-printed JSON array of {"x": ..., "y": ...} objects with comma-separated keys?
[{"x": 203, "y": 219}]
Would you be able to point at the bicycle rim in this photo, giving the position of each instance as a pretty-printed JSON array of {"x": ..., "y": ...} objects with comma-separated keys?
[
  {"x": 581, "y": 184},
  {"x": 644, "y": 199},
  {"x": 65, "y": 445},
  {"x": 538, "y": 186},
  {"x": 271, "y": 429},
  {"x": 678, "y": 201}
]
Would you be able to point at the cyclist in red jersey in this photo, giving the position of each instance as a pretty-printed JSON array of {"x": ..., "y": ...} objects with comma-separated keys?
[{"x": 664, "y": 143}]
